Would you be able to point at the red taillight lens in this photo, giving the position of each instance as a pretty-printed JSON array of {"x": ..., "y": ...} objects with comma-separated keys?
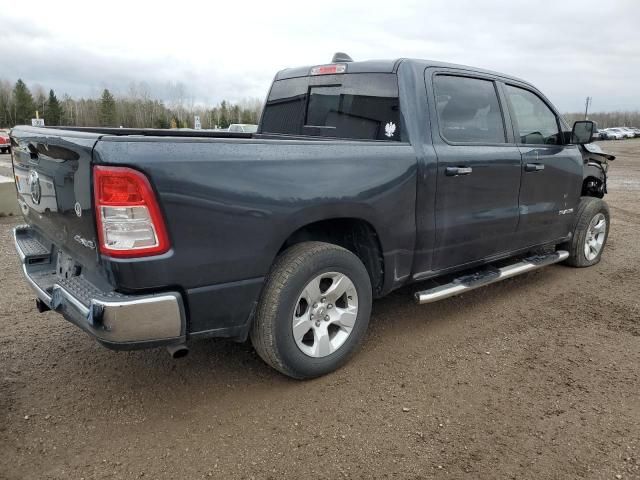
[
  {"x": 120, "y": 189},
  {"x": 128, "y": 217}
]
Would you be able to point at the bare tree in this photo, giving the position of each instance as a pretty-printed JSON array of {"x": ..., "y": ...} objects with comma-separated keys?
[
  {"x": 608, "y": 119},
  {"x": 40, "y": 99}
]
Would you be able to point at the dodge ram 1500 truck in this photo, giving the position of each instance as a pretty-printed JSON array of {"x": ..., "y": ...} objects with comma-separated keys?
[
  {"x": 5, "y": 142},
  {"x": 363, "y": 177}
]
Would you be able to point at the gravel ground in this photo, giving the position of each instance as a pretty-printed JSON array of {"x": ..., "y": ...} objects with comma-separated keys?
[{"x": 536, "y": 377}]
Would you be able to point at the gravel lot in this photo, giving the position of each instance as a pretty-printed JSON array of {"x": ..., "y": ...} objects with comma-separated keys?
[{"x": 536, "y": 377}]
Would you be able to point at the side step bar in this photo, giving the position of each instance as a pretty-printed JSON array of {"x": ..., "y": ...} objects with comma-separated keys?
[{"x": 485, "y": 277}]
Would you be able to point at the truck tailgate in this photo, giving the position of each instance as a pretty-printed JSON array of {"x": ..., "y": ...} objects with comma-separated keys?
[{"x": 52, "y": 170}]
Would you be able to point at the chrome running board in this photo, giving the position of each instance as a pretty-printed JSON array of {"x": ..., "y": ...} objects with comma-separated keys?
[{"x": 488, "y": 276}]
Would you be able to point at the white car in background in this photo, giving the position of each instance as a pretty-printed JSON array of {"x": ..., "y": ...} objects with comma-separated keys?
[
  {"x": 622, "y": 132},
  {"x": 630, "y": 131},
  {"x": 610, "y": 134},
  {"x": 243, "y": 128}
]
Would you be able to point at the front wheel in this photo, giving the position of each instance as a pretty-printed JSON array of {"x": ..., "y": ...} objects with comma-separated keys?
[
  {"x": 314, "y": 310},
  {"x": 590, "y": 233}
]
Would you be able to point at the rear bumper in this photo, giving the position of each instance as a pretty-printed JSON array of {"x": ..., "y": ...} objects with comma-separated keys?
[{"x": 117, "y": 321}]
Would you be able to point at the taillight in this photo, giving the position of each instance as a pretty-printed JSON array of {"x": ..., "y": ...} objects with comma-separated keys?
[
  {"x": 329, "y": 69},
  {"x": 128, "y": 217}
]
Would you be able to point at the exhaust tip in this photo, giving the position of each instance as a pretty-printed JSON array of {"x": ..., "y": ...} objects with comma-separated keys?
[{"x": 178, "y": 351}]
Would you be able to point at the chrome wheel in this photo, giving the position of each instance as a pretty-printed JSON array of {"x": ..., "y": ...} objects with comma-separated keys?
[
  {"x": 596, "y": 233},
  {"x": 325, "y": 314}
]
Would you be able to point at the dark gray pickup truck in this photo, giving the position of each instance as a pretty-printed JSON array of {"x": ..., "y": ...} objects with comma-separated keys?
[{"x": 362, "y": 177}]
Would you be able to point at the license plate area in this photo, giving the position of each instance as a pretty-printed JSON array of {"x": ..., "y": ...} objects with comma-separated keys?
[{"x": 66, "y": 266}]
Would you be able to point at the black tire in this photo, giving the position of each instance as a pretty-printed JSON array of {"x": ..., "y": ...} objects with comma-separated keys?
[
  {"x": 588, "y": 209},
  {"x": 3, "y": 150},
  {"x": 272, "y": 333}
]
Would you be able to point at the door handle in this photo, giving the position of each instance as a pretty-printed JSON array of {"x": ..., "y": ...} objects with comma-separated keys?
[
  {"x": 533, "y": 167},
  {"x": 455, "y": 171}
]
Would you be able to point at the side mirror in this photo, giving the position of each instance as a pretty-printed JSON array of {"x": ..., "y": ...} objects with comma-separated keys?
[{"x": 582, "y": 131}]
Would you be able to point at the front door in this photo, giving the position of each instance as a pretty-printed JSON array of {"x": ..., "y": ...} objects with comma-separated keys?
[
  {"x": 551, "y": 171},
  {"x": 478, "y": 175}
]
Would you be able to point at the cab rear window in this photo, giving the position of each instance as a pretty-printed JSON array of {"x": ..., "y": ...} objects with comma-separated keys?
[{"x": 357, "y": 106}]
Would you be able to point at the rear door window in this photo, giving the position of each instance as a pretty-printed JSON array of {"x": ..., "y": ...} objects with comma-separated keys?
[
  {"x": 357, "y": 106},
  {"x": 468, "y": 110}
]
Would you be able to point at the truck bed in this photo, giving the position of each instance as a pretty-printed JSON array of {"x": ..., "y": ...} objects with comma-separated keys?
[
  {"x": 154, "y": 132},
  {"x": 229, "y": 200}
]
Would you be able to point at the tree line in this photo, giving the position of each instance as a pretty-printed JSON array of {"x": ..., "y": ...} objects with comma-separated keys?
[
  {"x": 136, "y": 109},
  {"x": 608, "y": 119}
]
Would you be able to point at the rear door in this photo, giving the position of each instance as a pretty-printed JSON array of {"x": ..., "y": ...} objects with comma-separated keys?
[
  {"x": 478, "y": 173},
  {"x": 551, "y": 171}
]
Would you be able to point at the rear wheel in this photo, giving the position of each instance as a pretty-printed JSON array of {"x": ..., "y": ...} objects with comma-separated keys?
[
  {"x": 314, "y": 310},
  {"x": 590, "y": 233},
  {"x": 3, "y": 150}
]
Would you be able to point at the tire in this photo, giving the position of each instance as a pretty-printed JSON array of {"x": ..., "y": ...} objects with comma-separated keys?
[
  {"x": 3, "y": 150},
  {"x": 590, "y": 212},
  {"x": 287, "y": 299}
]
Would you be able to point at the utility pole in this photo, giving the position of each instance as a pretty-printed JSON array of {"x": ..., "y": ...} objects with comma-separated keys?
[{"x": 586, "y": 107}]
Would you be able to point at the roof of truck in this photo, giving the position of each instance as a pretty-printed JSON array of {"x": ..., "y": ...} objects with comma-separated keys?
[{"x": 387, "y": 66}]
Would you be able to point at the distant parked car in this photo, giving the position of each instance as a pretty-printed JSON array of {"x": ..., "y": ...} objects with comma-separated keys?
[
  {"x": 616, "y": 134},
  {"x": 630, "y": 131},
  {"x": 243, "y": 128},
  {"x": 5, "y": 142},
  {"x": 620, "y": 134},
  {"x": 608, "y": 134},
  {"x": 624, "y": 133}
]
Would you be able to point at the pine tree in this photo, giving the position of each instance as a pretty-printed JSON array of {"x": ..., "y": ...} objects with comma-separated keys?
[
  {"x": 247, "y": 116},
  {"x": 162, "y": 122},
  {"x": 24, "y": 107},
  {"x": 224, "y": 115},
  {"x": 53, "y": 114},
  {"x": 107, "y": 109},
  {"x": 235, "y": 114}
]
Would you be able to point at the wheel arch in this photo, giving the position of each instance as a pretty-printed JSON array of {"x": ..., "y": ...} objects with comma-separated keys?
[
  {"x": 593, "y": 186},
  {"x": 356, "y": 234}
]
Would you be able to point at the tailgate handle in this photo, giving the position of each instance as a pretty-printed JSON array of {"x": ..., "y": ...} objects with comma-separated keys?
[
  {"x": 533, "y": 167},
  {"x": 455, "y": 171}
]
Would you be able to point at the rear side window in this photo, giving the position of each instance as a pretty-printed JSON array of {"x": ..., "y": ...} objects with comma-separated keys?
[
  {"x": 535, "y": 122},
  {"x": 357, "y": 106},
  {"x": 468, "y": 110}
]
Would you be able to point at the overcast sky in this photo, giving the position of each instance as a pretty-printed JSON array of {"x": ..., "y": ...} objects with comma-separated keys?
[{"x": 231, "y": 49}]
